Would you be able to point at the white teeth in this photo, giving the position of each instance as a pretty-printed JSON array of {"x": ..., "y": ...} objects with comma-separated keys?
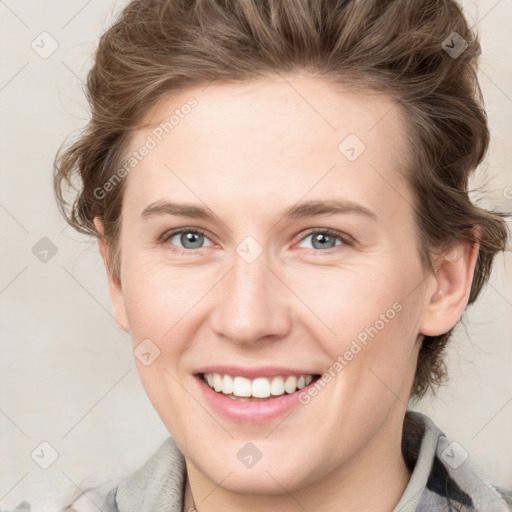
[
  {"x": 291, "y": 384},
  {"x": 261, "y": 387},
  {"x": 241, "y": 386},
  {"x": 217, "y": 382},
  {"x": 227, "y": 384},
  {"x": 277, "y": 386}
]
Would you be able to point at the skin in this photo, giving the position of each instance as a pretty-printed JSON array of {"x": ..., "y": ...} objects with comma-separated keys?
[{"x": 297, "y": 304}]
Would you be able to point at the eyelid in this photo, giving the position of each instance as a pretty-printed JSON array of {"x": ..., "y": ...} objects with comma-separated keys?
[
  {"x": 171, "y": 232},
  {"x": 346, "y": 239},
  {"x": 163, "y": 239}
]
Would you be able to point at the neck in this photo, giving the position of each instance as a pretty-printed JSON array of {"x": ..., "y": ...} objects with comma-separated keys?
[{"x": 373, "y": 480}]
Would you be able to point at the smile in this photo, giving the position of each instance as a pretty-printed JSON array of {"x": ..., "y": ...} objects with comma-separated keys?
[{"x": 237, "y": 387}]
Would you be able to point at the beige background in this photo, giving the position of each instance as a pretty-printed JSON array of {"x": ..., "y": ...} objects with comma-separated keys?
[{"x": 67, "y": 375}]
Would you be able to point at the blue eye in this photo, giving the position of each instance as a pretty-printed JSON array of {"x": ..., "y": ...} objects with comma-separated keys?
[
  {"x": 325, "y": 239},
  {"x": 189, "y": 238},
  {"x": 186, "y": 240}
]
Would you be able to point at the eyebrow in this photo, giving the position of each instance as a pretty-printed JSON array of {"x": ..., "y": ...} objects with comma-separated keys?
[{"x": 311, "y": 208}]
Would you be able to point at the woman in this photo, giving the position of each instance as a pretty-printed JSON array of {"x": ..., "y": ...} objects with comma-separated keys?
[{"x": 279, "y": 191}]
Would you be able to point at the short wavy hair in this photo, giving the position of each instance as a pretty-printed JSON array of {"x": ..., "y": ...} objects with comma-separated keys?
[{"x": 399, "y": 48}]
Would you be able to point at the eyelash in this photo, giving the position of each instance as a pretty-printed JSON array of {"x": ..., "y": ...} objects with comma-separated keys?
[{"x": 345, "y": 239}]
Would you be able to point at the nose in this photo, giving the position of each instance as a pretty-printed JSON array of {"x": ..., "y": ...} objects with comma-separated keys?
[{"x": 250, "y": 303}]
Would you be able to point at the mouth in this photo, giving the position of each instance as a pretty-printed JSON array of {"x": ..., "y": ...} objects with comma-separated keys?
[
  {"x": 255, "y": 400},
  {"x": 256, "y": 395},
  {"x": 236, "y": 387}
]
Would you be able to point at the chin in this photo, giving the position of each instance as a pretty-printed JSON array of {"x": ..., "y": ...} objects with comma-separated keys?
[
  {"x": 260, "y": 482},
  {"x": 271, "y": 477}
]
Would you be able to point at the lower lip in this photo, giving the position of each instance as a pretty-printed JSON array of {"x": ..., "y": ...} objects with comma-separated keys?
[{"x": 255, "y": 412}]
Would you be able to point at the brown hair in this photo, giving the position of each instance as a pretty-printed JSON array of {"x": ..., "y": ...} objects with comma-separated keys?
[{"x": 397, "y": 47}]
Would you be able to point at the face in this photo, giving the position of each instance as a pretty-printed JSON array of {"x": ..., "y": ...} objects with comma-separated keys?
[{"x": 296, "y": 251}]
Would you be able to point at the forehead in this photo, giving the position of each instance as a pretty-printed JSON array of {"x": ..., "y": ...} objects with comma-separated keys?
[{"x": 277, "y": 139}]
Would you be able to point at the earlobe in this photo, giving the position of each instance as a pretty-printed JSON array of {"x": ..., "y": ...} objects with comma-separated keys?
[
  {"x": 453, "y": 277},
  {"x": 114, "y": 284}
]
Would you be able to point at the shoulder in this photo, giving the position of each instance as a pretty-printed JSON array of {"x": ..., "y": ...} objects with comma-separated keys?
[
  {"x": 156, "y": 485},
  {"x": 448, "y": 478},
  {"x": 101, "y": 497},
  {"x": 506, "y": 495},
  {"x": 158, "y": 482},
  {"x": 91, "y": 498}
]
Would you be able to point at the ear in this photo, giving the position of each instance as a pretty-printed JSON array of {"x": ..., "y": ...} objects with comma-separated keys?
[
  {"x": 114, "y": 284},
  {"x": 449, "y": 295}
]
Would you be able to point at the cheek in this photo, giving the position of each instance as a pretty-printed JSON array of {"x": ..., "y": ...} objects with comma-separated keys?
[
  {"x": 352, "y": 301},
  {"x": 338, "y": 304},
  {"x": 366, "y": 320},
  {"x": 159, "y": 303},
  {"x": 157, "y": 297}
]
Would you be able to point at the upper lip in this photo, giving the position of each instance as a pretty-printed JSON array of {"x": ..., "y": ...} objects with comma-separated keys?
[{"x": 252, "y": 373}]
